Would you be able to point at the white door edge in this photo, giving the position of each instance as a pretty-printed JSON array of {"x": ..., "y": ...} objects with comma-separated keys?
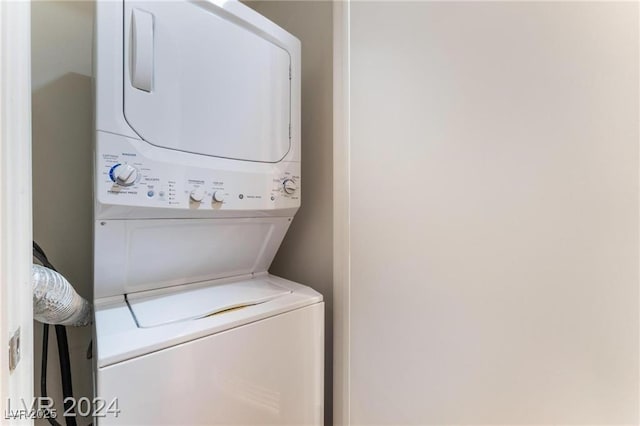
[
  {"x": 16, "y": 384},
  {"x": 341, "y": 213}
]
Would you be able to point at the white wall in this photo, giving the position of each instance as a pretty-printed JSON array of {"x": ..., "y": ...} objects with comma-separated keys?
[
  {"x": 62, "y": 163},
  {"x": 306, "y": 255},
  {"x": 494, "y": 213}
]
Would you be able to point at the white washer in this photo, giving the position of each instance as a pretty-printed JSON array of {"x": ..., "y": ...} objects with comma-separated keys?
[{"x": 197, "y": 178}]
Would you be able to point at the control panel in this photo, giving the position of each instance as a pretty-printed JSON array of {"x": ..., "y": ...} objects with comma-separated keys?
[{"x": 127, "y": 177}]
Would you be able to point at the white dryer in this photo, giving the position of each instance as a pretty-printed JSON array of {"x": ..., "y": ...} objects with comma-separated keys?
[{"x": 197, "y": 178}]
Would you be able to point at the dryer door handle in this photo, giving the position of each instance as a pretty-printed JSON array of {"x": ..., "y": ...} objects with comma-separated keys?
[{"x": 141, "y": 50}]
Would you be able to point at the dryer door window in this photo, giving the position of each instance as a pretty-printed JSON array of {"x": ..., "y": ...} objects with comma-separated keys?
[{"x": 198, "y": 82}]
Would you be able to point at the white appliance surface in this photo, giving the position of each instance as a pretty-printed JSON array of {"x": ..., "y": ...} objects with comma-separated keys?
[
  {"x": 216, "y": 86},
  {"x": 138, "y": 255},
  {"x": 189, "y": 304},
  {"x": 197, "y": 112},
  {"x": 120, "y": 338},
  {"x": 164, "y": 183},
  {"x": 263, "y": 372},
  {"x": 196, "y": 180}
]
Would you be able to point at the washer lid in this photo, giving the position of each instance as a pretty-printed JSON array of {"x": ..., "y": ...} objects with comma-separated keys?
[
  {"x": 185, "y": 305},
  {"x": 199, "y": 80},
  {"x": 119, "y": 338}
]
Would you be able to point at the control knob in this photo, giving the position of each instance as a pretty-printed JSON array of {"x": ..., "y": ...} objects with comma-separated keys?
[
  {"x": 124, "y": 174},
  {"x": 217, "y": 197},
  {"x": 290, "y": 186},
  {"x": 197, "y": 194}
]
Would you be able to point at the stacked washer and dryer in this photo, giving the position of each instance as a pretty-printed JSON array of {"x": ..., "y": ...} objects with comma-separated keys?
[{"x": 197, "y": 179}]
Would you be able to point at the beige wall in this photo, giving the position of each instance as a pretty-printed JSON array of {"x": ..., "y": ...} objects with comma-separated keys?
[
  {"x": 306, "y": 255},
  {"x": 62, "y": 158},
  {"x": 494, "y": 213},
  {"x": 62, "y": 163}
]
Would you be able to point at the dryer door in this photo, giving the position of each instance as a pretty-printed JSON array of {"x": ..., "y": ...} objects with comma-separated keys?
[{"x": 199, "y": 80}]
